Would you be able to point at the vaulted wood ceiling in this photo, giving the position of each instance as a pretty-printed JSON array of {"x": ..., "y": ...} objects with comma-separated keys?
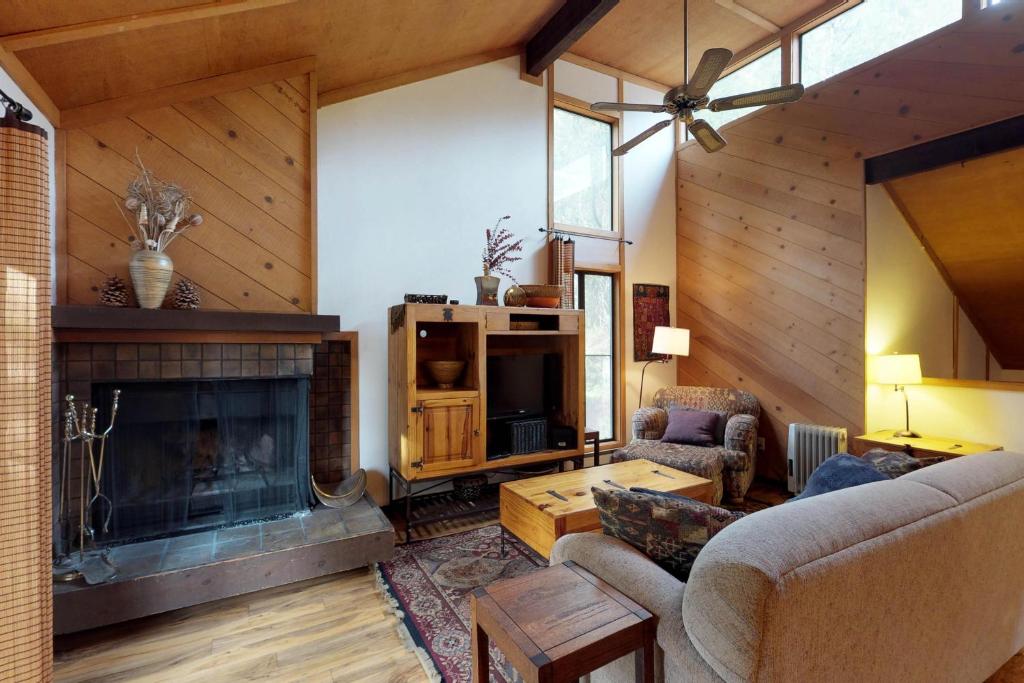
[
  {"x": 86, "y": 52},
  {"x": 970, "y": 217}
]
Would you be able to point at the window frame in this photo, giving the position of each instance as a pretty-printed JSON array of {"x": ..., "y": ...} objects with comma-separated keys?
[
  {"x": 795, "y": 38},
  {"x": 577, "y": 106},
  {"x": 618, "y": 369}
]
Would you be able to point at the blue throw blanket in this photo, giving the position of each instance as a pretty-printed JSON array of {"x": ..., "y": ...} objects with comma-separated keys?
[{"x": 841, "y": 471}]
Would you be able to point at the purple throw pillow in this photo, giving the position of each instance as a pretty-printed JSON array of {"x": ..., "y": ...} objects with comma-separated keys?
[{"x": 692, "y": 427}]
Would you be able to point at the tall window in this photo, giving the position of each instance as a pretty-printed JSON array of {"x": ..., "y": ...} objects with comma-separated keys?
[
  {"x": 868, "y": 30},
  {"x": 595, "y": 294},
  {"x": 763, "y": 72},
  {"x": 583, "y": 184}
]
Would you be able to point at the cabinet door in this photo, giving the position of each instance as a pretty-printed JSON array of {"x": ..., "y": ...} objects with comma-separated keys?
[{"x": 448, "y": 433}]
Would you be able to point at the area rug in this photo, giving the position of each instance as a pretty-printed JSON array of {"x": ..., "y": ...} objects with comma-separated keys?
[{"x": 429, "y": 582}]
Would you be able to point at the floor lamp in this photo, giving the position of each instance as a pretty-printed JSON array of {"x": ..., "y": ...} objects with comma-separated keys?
[{"x": 668, "y": 342}]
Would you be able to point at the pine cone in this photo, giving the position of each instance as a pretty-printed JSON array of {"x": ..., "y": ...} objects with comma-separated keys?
[
  {"x": 114, "y": 292},
  {"x": 185, "y": 295}
]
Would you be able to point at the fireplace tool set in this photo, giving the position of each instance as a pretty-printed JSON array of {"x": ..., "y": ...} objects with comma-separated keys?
[{"x": 81, "y": 436}]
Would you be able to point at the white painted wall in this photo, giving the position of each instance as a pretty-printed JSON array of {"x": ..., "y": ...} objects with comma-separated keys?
[
  {"x": 910, "y": 309},
  {"x": 410, "y": 177},
  {"x": 12, "y": 90}
]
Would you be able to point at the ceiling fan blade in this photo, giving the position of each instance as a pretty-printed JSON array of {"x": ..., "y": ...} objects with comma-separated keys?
[
  {"x": 708, "y": 137},
  {"x": 780, "y": 95},
  {"x": 621, "y": 106},
  {"x": 625, "y": 147},
  {"x": 712, "y": 64}
]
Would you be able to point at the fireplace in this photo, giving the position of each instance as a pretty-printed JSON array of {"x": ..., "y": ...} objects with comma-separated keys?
[
  {"x": 186, "y": 456},
  {"x": 222, "y": 419}
]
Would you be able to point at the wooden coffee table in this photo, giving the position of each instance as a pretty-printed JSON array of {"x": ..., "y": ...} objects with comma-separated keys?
[
  {"x": 540, "y": 510},
  {"x": 558, "y": 624}
]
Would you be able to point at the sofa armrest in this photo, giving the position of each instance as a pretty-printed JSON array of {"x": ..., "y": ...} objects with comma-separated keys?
[
  {"x": 625, "y": 568},
  {"x": 741, "y": 435},
  {"x": 649, "y": 423}
]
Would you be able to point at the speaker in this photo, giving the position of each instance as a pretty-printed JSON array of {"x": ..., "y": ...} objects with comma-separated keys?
[{"x": 562, "y": 438}]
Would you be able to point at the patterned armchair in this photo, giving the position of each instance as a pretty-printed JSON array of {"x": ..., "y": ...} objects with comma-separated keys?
[{"x": 730, "y": 465}]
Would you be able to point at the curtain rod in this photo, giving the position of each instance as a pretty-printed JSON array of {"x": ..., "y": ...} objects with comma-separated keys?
[
  {"x": 18, "y": 110},
  {"x": 572, "y": 233}
]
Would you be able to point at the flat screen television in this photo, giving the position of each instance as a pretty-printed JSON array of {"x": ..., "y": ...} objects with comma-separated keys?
[{"x": 526, "y": 385}]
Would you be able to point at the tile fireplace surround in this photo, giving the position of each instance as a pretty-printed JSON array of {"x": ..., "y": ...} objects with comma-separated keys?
[{"x": 155, "y": 575}]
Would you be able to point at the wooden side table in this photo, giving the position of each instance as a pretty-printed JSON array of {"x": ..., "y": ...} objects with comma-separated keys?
[
  {"x": 558, "y": 624},
  {"x": 921, "y": 447}
]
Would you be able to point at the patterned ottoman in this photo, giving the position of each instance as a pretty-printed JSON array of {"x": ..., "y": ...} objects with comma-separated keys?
[{"x": 699, "y": 460}]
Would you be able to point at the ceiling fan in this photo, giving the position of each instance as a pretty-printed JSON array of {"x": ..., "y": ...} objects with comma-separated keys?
[{"x": 684, "y": 100}]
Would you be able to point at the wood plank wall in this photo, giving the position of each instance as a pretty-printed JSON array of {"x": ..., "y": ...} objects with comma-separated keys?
[
  {"x": 246, "y": 157},
  {"x": 771, "y": 232}
]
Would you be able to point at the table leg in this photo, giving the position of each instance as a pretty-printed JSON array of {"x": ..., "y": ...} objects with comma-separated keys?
[
  {"x": 481, "y": 665},
  {"x": 644, "y": 658},
  {"x": 502, "y": 531},
  {"x": 597, "y": 452}
]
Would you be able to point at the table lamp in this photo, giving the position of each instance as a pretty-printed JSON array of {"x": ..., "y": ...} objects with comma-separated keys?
[
  {"x": 668, "y": 342},
  {"x": 899, "y": 370}
]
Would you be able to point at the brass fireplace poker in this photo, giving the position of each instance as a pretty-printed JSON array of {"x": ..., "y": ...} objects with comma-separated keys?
[{"x": 80, "y": 427}]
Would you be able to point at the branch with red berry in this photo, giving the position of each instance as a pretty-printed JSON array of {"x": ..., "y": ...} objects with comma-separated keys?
[{"x": 500, "y": 250}]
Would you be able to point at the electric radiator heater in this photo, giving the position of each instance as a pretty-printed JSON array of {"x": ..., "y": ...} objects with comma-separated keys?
[{"x": 809, "y": 446}]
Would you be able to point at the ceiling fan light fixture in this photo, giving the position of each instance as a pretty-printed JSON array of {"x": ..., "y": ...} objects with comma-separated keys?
[{"x": 692, "y": 96}]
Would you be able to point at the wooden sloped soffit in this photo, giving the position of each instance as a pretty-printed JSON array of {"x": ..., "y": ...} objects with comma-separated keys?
[
  {"x": 90, "y": 114},
  {"x": 105, "y": 27}
]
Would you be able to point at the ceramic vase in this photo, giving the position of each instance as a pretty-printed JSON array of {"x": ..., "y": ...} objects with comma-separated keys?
[
  {"x": 151, "y": 273},
  {"x": 515, "y": 296},
  {"x": 487, "y": 290}
]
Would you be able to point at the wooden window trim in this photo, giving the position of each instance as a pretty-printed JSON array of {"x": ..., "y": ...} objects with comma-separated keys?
[
  {"x": 618, "y": 349},
  {"x": 582, "y": 108}
]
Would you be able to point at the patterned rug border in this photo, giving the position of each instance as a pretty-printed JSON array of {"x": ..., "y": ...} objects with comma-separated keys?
[{"x": 407, "y": 631}]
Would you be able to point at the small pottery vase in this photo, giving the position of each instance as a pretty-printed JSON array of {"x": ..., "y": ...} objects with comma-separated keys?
[
  {"x": 487, "y": 290},
  {"x": 151, "y": 276},
  {"x": 515, "y": 296}
]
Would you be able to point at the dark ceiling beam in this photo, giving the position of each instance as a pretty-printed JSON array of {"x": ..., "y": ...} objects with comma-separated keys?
[
  {"x": 568, "y": 25},
  {"x": 969, "y": 144}
]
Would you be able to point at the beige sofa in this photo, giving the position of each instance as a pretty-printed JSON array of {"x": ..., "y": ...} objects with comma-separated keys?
[{"x": 916, "y": 579}]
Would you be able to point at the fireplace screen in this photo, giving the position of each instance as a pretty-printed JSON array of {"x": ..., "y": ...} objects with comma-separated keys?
[{"x": 193, "y": 455}]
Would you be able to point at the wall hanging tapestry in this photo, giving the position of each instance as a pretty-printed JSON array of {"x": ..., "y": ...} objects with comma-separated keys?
[
  {"x": 25, "y": 601},
  {"x": 650, "y": 310},
  {"x": 562, "y": 251}
]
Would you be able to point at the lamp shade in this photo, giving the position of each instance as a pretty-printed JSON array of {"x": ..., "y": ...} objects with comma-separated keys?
[
  {"x": 671, "y": 341},
  {"x": 897, "y": 368}
]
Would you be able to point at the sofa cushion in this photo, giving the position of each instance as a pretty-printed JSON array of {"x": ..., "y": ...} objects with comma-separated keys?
[
  {"x": 895, "y": 463},
  {"x": 668, "y": 528},
  {"x": 693, "y": 427},
  {"x": 841, "y": 471}
]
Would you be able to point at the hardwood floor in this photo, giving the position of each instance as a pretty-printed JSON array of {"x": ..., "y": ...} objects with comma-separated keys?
[{"x": 334, "y": 629}]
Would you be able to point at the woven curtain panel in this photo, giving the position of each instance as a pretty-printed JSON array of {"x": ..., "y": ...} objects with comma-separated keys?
[
  {"x": 563, "y": 268},
  {"x": 25, "y": 577}
]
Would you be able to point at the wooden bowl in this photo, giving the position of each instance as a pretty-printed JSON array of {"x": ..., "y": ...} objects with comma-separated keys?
[
  {"x": 543, "y": 296},
  {"x": 445, "y": 372}
]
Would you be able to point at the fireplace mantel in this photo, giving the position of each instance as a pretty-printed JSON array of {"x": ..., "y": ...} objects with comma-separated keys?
[{"x": 107, "y": 324}]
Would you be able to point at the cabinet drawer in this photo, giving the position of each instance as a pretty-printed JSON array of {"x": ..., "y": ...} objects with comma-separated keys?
[{"x": 498, "y": 321}]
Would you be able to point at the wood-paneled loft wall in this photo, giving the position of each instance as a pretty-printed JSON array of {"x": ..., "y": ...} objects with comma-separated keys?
[
  {"x": 771, "y": 230},
  {"x": 248, "y": 158}
]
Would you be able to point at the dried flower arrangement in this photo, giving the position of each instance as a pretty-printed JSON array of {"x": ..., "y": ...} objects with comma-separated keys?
[
  {"x": 161, "y": 210},
  {"x": 500, "y": 250}
]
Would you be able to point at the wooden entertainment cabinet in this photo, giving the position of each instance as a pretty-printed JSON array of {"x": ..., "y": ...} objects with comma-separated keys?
[{"x": 434, "y": 432}]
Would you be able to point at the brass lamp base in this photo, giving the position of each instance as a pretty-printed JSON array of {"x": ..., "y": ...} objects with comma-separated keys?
[{"x": 907, "y": 434}]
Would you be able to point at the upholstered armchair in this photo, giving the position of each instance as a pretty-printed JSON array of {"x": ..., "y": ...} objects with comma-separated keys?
[{"x": 729, "y": 464}]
